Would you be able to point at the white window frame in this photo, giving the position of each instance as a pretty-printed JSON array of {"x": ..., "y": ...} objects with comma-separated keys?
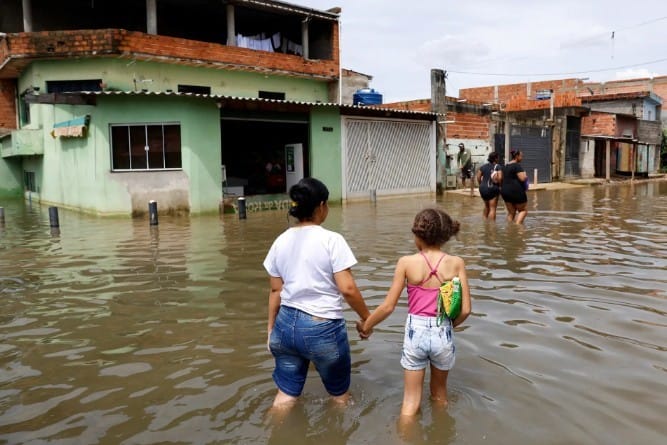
[{"x": 146, "y": 147}]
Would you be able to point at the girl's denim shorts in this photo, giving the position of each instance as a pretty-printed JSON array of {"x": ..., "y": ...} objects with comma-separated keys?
[
  {"x": 299, "y": 338},
  {"x": 425, "y": 342}
]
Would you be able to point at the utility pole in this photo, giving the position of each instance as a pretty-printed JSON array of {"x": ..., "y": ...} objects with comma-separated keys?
[{"x": 439, "y": 106}]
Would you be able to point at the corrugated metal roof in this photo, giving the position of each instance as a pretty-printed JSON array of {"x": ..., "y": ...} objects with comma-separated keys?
[
  {"x": 622, "y": 96},
  {"x": 214, "y": 97},
  {"x": 271, "y": 4}
]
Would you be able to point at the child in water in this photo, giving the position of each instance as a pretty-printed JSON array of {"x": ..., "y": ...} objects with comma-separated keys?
[{"x": 427, "y": 341}]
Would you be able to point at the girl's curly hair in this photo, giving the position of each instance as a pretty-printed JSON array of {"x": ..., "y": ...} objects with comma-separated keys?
[{"x": 434, "y": 227}]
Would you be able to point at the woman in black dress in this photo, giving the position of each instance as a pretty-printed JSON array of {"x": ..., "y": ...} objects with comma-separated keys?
[
  {"x": 489, "y": 177},
  {"x": 513, "y": 189}
]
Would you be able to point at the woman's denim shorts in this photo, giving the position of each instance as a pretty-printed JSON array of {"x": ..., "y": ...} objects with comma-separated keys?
[{"x": 299, "y": 338}]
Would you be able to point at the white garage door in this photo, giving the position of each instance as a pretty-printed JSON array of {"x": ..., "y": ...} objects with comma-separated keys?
[{"x": 392, "y": 157}]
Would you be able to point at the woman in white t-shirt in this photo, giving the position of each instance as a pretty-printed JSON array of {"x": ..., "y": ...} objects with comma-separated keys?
[{"x": 309, "y": 269}]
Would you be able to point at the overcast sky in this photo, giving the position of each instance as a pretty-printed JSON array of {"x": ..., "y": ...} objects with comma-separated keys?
[{"x": 494, "y": 42}]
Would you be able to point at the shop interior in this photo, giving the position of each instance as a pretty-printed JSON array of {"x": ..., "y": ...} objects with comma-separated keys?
[{"x": 253, "y": 155}]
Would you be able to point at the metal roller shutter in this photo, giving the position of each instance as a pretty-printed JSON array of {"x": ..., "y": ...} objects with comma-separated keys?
[
  {"x": 535, "y": 143},
  {"x": 392, "y": 157}
]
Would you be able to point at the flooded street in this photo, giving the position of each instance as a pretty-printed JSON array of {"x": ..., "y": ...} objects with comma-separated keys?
[{"x": 113, "y": 332}]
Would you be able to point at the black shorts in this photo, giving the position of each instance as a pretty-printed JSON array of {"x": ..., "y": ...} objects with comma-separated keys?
[
  {"x": 518, "y": 197},
  {"x": 489, "y": 193}
]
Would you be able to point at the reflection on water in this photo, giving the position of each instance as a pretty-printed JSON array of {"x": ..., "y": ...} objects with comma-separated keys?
[{"x": 117, "y": 332}]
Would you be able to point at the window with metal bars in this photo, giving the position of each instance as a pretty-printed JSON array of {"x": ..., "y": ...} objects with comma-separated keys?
[{"x": 145, "y": 147}]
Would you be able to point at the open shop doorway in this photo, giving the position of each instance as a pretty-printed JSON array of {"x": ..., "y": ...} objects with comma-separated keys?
[{"x": 254, "y": 156}]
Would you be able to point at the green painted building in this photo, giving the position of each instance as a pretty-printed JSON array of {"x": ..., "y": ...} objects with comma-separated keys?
[{"x": 103, "y": 113}]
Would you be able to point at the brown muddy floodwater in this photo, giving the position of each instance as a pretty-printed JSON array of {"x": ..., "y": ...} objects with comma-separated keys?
[{"x": 115, "y": 333}]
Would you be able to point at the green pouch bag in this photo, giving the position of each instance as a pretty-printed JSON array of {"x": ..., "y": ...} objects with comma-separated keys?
[{"x": 449, "y": 300}]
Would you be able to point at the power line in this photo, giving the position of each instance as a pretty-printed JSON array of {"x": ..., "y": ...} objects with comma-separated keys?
[
  {"x": 600, "y": 70},
  {"x": 593, "y": 37},
  {"x": 641, "y": 24},
  {"x": 613, "y": 32}
]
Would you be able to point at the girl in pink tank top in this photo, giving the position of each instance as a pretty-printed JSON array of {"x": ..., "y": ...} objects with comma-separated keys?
[
  {"x": 423, "y": 300},
  {"x": 426, "y": 342}
]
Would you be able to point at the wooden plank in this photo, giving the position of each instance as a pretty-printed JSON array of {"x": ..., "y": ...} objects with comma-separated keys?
[{"x": 58, "y": 98}]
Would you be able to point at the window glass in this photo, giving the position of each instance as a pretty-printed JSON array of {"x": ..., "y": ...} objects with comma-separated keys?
[
  {"x": 120, "y": 148},
  {"x": 138, "y": 147},
  {"x": 155, "y": 146},
  {"x": 172, "y": 146},
  {"x": 145, "y": 147}
]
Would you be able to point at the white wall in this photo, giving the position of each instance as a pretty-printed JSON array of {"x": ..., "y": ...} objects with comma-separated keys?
[
  {"x": 479, "y": 148},
  {"x": 587, "y": 158}
]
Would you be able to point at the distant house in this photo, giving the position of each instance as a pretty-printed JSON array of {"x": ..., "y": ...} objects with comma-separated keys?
[
  {"x": 657, "y": 86},
  {"x": 542, "y": 119},
  {"x": 352, "y": 81},
  {"x": 565, "y": 128},
  {"x": 628, "y": 125},
  {"x": 106, "y": 105}
]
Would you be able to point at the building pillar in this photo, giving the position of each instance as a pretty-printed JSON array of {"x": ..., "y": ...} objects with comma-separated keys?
[
  {"x": 231, "y": 26},
  {"x": 305, "y": 38},
  {"x": 27, "y": 16},
  {"x": 151, "y": 16},
  {"x": 633, "y": 161},
  {"x": 508, "y": 128},
  {"x": 607, "y": 167}
]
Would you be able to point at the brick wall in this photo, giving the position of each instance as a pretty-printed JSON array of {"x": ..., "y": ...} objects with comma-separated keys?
[
  {"x": 521, "y": 96},
  {"x": 599, "y": 124},
  {"x": 425, "y": 104},
  {"x": 4, "y": 49},
  {"x": 90, "y": 43},
  {"x": 464, "y": 125},
  {"x": 481, "y": 94},
  {"x": 468, "y": 126},
  {"x": 627, "y": 88},
  {"x": 567, "y": 91},
  {"x": 660, "y": 88},
  {"x": 657, "y": 85},
  {"x": 412, "y": 105},
  {"x": 7, "y": 104}
]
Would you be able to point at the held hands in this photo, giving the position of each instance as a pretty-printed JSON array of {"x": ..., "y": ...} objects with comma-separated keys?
[{"x": 363, "y": 333}]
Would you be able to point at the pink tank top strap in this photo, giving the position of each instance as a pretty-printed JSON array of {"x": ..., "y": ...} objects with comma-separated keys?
[{"x": 434, "y": 270}]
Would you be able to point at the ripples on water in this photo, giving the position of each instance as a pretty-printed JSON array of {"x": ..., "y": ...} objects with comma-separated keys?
[{"x": 117, "y": 333}]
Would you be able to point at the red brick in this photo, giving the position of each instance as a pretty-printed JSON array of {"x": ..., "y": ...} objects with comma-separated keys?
[
  {"x": 90, "y": 43},
  {"x": 7, "y": 104},
  {"x": 599, "y": 124}
]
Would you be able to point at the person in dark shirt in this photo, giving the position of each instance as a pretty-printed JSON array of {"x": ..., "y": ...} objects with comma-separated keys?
[
  {"x": 489, "y": 177},
  {"x": 513, "y": 188}
]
